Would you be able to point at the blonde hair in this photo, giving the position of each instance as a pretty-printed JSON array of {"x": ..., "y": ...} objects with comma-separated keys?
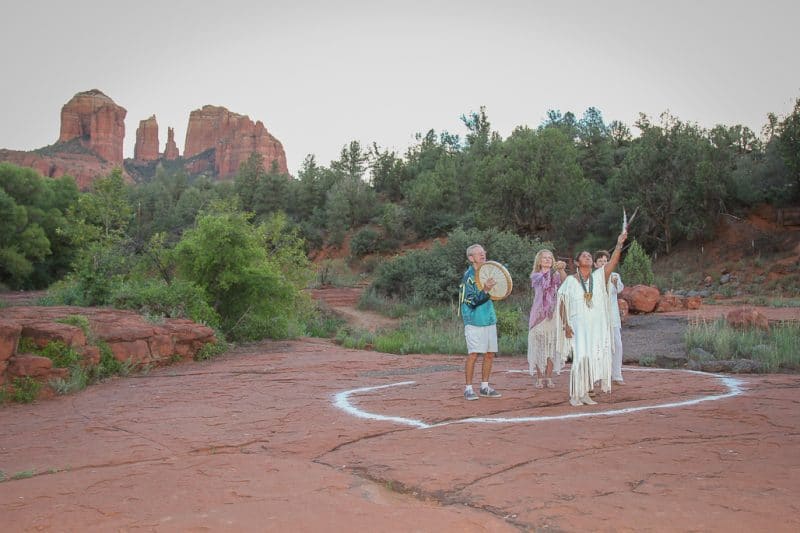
[{"x": 537, "y": 261}]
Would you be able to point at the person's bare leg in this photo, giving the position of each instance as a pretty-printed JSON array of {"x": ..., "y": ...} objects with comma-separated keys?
[
  {"x": 548, "y": 374},
  {"x": 539, "y": 381},
  {"x": 469, "y": 367},
  {"x": 486, "y": 369}
]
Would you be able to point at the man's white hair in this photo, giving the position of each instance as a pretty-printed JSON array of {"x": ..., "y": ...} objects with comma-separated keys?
[{"x": 471, "y": 250}]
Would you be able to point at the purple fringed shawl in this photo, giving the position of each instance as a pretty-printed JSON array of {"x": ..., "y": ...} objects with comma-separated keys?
[{"x": 545, "y": 285}]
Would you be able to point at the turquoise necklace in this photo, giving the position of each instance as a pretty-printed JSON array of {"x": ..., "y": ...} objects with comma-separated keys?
[{"x": 587, "y": 293}]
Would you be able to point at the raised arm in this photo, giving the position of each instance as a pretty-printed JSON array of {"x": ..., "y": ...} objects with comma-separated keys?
[
  {"x": 614, "y": 261},
  {"x": 561, "y": 269}
]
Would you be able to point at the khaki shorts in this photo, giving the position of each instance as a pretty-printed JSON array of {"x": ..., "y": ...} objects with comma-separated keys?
[{"x": 481, "y": 339}]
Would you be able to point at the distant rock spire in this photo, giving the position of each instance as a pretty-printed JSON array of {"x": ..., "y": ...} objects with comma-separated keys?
[{"x": 146, "y": 148}]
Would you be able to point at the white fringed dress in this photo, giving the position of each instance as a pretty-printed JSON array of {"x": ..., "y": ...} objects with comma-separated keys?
[{"x": 591, "y": 341}]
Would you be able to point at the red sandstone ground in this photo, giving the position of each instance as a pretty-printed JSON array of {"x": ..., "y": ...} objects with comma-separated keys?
[{"x": 253, "y": 441}]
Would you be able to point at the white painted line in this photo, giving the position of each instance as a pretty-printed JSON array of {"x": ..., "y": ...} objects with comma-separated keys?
[{"x": 342, "y": 401}]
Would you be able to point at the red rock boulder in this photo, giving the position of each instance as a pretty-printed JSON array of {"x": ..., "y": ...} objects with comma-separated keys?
[
  {"x": 22, "y": 365},
  {"x": 693, "y": 302},
  {"x": 746, "y": 317},
  {"x": 641, "y": 298},
  {"x": 668, "y": 302},
  {"x": 9, "y": 337}
]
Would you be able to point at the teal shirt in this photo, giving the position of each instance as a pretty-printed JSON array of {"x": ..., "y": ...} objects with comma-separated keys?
[{"x": 477, "y": 308}]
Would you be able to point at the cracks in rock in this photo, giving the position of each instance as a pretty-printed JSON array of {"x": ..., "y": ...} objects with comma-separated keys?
[{"x": 444, "y": 498}]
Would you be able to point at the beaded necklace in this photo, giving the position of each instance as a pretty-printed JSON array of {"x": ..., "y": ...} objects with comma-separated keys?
[{"x": 587, "y": 293}]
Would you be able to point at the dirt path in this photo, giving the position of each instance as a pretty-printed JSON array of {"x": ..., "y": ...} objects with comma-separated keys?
[{"x": 344, "y": 300}]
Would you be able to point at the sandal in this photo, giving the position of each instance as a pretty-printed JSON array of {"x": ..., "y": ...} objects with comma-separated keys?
[
  {"x": 549, "y": 383},
  {"x": 539, "y": 384}
]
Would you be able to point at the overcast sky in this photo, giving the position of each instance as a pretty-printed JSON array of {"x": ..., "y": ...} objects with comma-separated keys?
[{"x": 319, "y": 74}]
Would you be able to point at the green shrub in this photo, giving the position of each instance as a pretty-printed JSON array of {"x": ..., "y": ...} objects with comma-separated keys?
[
  {"x": 637, "y": 268},
  {"x": 98, "y": 270},
  {"x": 63, "y": 356},
  {"x": 154, "y": 297},
  {"x": 26, "y": 389},
  {"x": 108, "y": 365},
  {"x": 647, "y": 360},
  {"x": 253, "y": 275},
  {"x": 210, "y": 350},
  {"x": 510, "y": 322},
  {"x": 433, "y": 276},
  {"x": 322, "y": 322},
  {"x": 366, "y": 241},
  {"x": 27, "y": 345}
]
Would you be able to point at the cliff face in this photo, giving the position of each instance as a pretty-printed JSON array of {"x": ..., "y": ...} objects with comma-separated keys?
[
  {"x": 233, "y": 137},
  {"x": 97, "y": 122},
  {"x": 82, "y": 165},
  {"x": 146, "y": 148}
]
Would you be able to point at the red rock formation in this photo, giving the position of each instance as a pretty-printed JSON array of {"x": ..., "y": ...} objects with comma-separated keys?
[
  {"x": 171, "y": 149},
  {"x": 99, "y": 124},
  {"x": 130, "y": 337},
  {"x": 84, "y": 167},
  {"x": 90, "y": 144},
  {"x": 146, "y": 148},
  {"x": 9, "y": 337},
  {"x": 29, "y": 365},
  {"x": 641, "y": 298},
  {"x": 233, "y": 137}
]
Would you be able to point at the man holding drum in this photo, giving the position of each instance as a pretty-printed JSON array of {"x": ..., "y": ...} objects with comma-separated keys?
[{"x": 480, "y": 324}]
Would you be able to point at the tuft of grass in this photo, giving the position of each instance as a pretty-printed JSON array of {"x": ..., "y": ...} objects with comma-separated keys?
[
  {"x": 25, "y": 389},
  {"x": 77, "y": 320},
  {"x": 322, "y": 322},
  {"x": 25, "y": 474},
  {"x": 77, "y": 380},
  {"x": 210, "y": 350},
  {"x": 647, "y": 360},
  {"x": 778, "y": 349}
]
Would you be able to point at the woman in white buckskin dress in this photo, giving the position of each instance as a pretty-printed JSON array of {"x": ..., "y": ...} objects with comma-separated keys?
[{"x": 583, "y": 325}]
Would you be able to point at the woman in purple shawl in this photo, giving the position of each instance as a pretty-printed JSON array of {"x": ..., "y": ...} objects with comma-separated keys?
[{"x": 546, "y": 278}]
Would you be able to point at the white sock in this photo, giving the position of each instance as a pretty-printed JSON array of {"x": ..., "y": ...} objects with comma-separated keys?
[
  {"x": 484, "y": 384},
  {"x": 467, "y": 387}
]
